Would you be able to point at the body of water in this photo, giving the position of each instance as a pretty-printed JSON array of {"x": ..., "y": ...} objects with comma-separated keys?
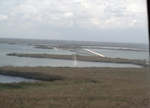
[
  {"x": 142, "y": 55},
  {"x": 12, "y": 79},
  {"x": 24, "y": 61}
]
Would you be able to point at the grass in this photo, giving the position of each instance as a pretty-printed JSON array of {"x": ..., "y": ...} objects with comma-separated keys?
[
  {"x": 83, "y": 58},
  {"x": 78, "y": 88}
]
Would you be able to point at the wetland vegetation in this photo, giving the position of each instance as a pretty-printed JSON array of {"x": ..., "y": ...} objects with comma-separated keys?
[
  {"x": 77, "y": 87},
  {"x": 71, "y": 87}
]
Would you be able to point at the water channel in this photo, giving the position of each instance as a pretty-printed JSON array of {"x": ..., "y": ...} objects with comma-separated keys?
[{"x": 13, "y": 79}]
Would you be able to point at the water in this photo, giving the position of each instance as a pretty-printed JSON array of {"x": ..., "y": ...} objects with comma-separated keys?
[
  {"x": 16, "y": 48},
  {"x": 12, "y": 79},
  {"x": 24, "y": 61},
  {"x": 143, "y": 55}
]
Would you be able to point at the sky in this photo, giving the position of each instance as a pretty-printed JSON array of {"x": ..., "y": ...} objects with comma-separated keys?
[{"x": 83, "y": 20}]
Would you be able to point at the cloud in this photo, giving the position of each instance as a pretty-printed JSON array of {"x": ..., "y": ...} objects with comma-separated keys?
[
  {"x": 83, "y": 13},
  {"x": 3, "y": 18}
]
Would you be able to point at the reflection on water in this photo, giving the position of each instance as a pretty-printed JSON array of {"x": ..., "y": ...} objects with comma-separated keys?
[{"x": 12, "y": 79}]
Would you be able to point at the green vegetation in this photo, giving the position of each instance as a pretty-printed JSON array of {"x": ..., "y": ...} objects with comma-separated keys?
[
  {"x": 83, "y": 58},
  {"x": 77, "y": 88}
]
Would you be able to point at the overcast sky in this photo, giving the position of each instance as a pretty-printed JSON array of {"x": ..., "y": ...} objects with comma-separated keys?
[{"x": 89, "y": 20}]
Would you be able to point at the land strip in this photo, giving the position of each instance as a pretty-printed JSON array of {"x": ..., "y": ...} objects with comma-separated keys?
[{"x": 83, "y": 58}]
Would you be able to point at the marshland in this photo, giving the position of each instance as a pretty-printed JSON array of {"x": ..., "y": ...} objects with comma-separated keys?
[
  {"x": 65, "y": 87},
  {"x": 74, "y": 54}
]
